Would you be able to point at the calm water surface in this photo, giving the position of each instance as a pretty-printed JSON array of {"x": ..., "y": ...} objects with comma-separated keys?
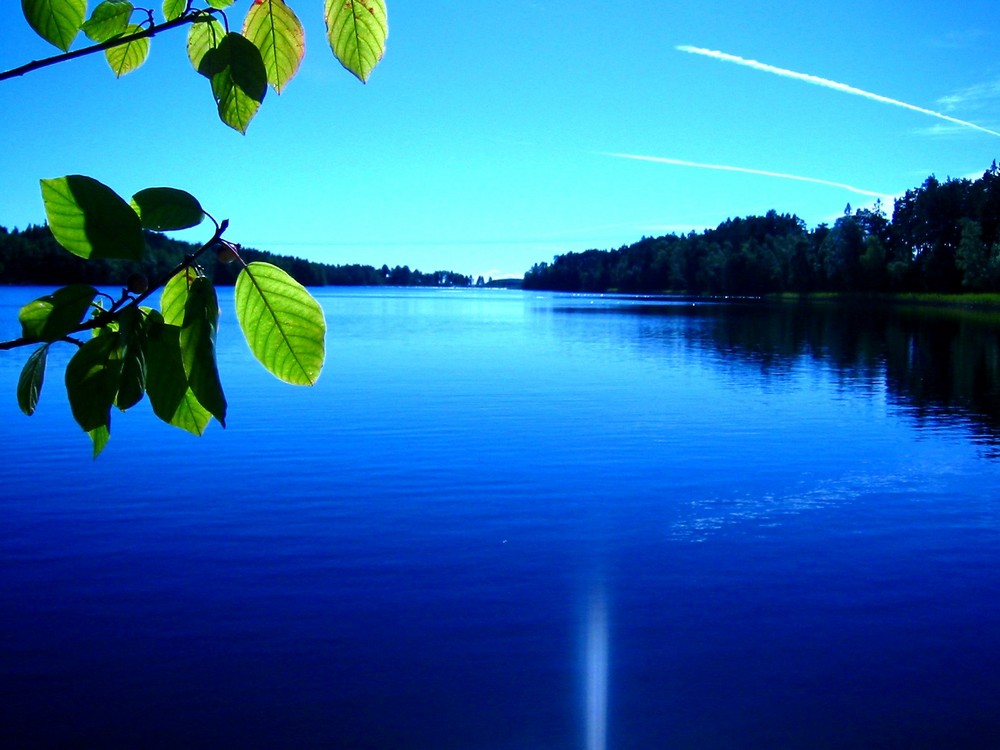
[{"x": 509, "y": 520}]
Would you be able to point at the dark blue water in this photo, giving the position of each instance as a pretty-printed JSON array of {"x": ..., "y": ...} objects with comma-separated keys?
[{"x": 789, "y": 518}]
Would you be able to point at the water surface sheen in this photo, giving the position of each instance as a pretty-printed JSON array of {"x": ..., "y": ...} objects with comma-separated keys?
[{"x": 785, "y": 519}]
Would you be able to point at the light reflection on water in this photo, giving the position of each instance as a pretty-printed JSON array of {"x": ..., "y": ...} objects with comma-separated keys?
[{"x": 597, "y": 670}]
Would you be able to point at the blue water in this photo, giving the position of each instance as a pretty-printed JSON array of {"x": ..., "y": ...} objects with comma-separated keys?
[{"x": 775, "y": 548}]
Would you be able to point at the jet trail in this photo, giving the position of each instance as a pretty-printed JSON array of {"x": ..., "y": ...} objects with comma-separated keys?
[
  {"x": 763, "y": 172},
  {"x": 827, "y": 83}
]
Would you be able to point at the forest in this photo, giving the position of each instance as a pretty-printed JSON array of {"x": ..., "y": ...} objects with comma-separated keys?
[
  {"x": 942, "y": 237},
  {"x": 33, "y": 257}
]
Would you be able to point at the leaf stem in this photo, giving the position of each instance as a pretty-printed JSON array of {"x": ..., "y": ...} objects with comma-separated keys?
[
  {"x": 151, "y": 31},
  {"x": 184, "y": 264}
]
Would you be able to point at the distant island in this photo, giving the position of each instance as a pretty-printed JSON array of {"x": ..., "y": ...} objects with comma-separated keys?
[
  {"x": 942, "y": 238},
  {"x": 33, "y": 257}
]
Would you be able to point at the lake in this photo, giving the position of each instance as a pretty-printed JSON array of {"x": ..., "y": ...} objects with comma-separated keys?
[{"x": 510, "y": 520}]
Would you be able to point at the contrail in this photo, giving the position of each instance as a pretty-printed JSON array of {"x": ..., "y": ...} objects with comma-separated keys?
[
  {"x": 763, "y": 172},
  {"x": 827, "y": 83}
]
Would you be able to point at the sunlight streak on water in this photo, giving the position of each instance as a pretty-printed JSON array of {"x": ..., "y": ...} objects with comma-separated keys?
[{"x": 597, "y": 671}]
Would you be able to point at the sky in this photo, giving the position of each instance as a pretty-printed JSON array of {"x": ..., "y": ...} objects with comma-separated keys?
[{"x": 493, "y": 136}]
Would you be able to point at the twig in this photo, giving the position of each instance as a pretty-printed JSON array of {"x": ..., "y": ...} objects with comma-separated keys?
[
  {"x": 187, "y": 18},
  {"x": 110, "y": 315}
]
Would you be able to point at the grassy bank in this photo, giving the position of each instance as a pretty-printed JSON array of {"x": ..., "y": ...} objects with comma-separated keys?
[{"x": 978, "y": 300}]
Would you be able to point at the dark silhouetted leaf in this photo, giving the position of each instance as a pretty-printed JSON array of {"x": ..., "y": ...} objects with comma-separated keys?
[
  {"x": 166, "y": 382},
  {"x": 239, "y": 79},
  {"x": 201, "y": 319},
  {"x": 92, "y": 382},
  {"x": 29, "y": 385},
  {"x": 52, "y": 317},
  {"x": 132, "y": 352},
  {"x": 164, "y": 209}
]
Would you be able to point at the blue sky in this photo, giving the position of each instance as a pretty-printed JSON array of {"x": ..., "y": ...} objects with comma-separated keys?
[{"x": 485, "y": 141}]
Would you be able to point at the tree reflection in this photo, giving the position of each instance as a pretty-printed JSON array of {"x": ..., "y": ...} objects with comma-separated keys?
[{"x": 940, "y": 365}]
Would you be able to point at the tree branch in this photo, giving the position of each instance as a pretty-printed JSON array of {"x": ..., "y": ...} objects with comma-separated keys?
[
  {"x": 187, "y": 18},
  {"x": 109, "y": 315},
  {"x": 14, "y": 343}
]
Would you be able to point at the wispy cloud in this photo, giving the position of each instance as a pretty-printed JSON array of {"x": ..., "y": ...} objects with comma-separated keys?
[
  {"x": 827, "y": 83},
  {"x": 761, "y": 172},
  {"x": 972, "y": 97},
  {"x": 961, "y": 39}
]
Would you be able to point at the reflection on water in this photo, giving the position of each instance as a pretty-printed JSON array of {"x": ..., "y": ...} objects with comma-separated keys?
[
  {"x": 941, "y": 366},
  {"x": 597, "y": 653}
]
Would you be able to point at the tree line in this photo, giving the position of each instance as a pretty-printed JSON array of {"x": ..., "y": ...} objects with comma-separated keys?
[
  {"x": 33, "y": 257},
  {"x": 942, "y": 237}
]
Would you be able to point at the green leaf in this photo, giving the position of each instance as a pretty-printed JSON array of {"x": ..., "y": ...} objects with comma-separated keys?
[
  {"x": 357, "y": 31},
  {"x": 127, "y": 57},
  {"x": 201, "y": 319},
  {"x": 90, "y": 220},
  {"x": 100, "y": 437},
  {"x": 164, "y": 209},
  {"x": 166, "y": 383},
  {"x": 283, "y": 324},
  {"x": 92, "y": 381},
  {"x": 220, "y": 4},
  {"x": 239, "y": 79},
  {"x": 278, "y": 34},
  {"x": 29, "y": 385},
  {"x": 174, "y": 9},
  {"x": 52, "y": 317},
  {"x": 190, "y": 302},
  {"x": 174, "y": 296},
  {"x": 204, "y": 35},
  {"x": 55, "y": 21},
  {"x": 132, "y": 352},
  {"x": 109, "y": 19}
]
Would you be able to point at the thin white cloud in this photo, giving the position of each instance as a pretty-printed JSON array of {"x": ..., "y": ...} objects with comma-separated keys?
[
  {"x": 941, "y": 130},
  {"x": 747, "y": 170},
  {"x": 973, "y": 97},
  {"x": 827, "y": 83}
]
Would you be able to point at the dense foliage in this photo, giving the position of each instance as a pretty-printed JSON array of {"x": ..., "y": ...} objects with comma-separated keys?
[
  {"x": 942, "y": 237},
  {"x": 33, "y": 257},
  {"x": 126, "y": 350}
]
